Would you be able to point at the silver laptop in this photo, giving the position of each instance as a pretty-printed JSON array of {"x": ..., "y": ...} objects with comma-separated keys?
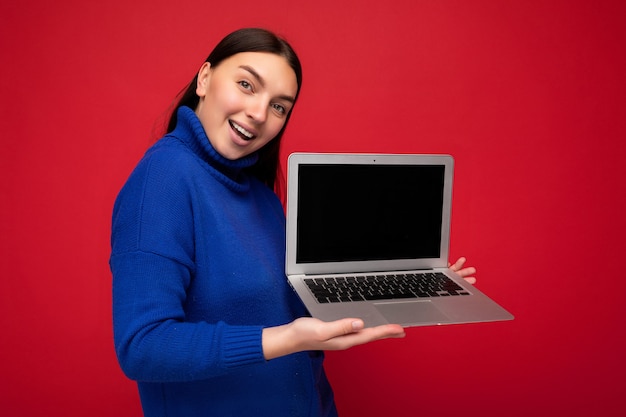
[{"x": 368, "y": 237}]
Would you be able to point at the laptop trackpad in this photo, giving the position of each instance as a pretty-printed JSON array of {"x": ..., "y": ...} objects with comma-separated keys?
[{"x": 411, "y": 312}]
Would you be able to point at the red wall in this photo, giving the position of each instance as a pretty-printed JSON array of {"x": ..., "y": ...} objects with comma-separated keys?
[{"x": 529, "y": 96}]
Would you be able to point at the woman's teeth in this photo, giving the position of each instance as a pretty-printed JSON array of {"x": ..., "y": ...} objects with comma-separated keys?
[{"x": 243, "y": 132}]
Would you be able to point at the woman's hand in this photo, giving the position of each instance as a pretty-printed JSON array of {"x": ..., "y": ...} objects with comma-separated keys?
[
  {"x": 312, "y": 334},
  {"x": 466, "y": 273}
]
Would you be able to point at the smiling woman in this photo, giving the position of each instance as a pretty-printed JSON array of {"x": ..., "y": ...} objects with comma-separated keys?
[
  {"x": 244, "y": 101},
  {"x": 246, "y": 41},
  {"x": 203, "y": 316}
]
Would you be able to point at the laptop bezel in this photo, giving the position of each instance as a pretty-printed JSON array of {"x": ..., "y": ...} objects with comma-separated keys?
[{"x": 297, "y": 159}]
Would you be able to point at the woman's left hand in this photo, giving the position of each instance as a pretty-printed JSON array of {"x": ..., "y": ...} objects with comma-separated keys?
[{"x": 466, "y": 273}]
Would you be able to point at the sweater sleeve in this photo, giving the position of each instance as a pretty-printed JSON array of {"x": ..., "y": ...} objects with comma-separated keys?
[
  {"x": 152, "y": 263},
  {"x": 152, "y": 339}
]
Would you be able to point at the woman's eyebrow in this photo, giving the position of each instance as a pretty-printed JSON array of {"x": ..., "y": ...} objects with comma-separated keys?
[{"x": 261, "y": 81}]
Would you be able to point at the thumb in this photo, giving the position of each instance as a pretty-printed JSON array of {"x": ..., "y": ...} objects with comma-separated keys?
[
  {"x": 347, "y": 326},
  {"x": 357, "y": 325}
]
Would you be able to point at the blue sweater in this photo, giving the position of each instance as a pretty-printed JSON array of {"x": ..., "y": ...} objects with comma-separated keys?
[{"x": 198, "y": 271}]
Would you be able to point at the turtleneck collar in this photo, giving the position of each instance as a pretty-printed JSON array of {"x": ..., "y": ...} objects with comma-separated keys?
[{"x": 230, "y": 173}]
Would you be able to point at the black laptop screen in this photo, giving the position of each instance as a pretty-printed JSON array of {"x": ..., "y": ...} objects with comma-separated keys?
[{"x": 369, "y": 212}]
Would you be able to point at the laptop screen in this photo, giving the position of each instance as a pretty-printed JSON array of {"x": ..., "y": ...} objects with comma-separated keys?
[{"x": 353, "y": 212}]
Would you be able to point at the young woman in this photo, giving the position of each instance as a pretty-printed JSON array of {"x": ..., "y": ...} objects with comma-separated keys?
[{"x": 204, "y": 319}]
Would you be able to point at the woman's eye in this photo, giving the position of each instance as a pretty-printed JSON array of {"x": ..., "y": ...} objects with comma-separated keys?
[
  {"x": 280, "y": 109},
  {"x": 246, "y": 85}
]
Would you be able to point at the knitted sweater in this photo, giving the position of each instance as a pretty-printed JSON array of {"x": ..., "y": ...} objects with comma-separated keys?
[{"x": 198, "y": 271}]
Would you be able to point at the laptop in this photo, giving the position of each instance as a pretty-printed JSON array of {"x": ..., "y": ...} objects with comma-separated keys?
[{"x": 368, "y": 236}]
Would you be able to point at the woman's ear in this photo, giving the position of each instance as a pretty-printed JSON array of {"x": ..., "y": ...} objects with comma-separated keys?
[{"x": 203, "y": 79}]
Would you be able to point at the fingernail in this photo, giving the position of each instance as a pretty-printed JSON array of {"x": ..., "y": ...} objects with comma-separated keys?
[{"x": 357, "y": 325}]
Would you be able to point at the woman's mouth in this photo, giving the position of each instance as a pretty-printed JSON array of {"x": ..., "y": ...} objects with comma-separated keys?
[{"x": 243, "y": 133}]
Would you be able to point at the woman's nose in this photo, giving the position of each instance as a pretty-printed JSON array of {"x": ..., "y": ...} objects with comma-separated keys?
[{"x": 257, "y": 110}]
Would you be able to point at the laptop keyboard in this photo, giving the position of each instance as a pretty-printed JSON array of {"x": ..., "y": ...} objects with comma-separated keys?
[{"x": 383, "y": 287}]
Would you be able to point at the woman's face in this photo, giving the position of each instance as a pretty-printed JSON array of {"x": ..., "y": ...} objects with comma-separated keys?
[{"x": 244, "y": 101}]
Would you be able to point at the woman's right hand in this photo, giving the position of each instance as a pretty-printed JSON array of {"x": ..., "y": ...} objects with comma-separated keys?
[{"x": 312, "y": 334}]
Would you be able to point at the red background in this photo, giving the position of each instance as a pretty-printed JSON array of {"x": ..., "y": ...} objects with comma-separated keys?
[{"x": 529, "y": 96}]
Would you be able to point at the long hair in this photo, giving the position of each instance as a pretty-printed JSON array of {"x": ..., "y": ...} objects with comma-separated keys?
[{"x": 267, "y": 168}]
